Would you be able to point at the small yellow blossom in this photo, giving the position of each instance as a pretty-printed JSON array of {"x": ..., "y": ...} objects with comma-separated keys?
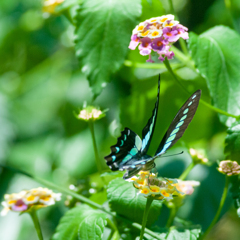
[
  {"x": 24, "y": 200},
  {"x": 166, "y": 18},
  {"x": 90, "y": 113},
  {"x": 197, "y": 156},
  {"x": 229, "y": 167},
  {"x": 145, "y": 191},
  {"x": 50, "y": 5}
]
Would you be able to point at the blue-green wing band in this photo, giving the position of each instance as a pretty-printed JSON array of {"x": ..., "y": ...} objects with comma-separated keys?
[
  {"x": 128, "y": 146},
  {"x": 179, "y": 123}
]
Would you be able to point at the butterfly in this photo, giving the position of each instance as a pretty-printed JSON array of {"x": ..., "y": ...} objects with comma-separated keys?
[{"x": 130, "y": 152}]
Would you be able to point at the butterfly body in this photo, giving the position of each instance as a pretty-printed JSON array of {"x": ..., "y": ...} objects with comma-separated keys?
[{"x": 130, "y": 151}]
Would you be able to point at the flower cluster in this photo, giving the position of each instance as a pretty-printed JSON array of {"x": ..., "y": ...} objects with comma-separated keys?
[
  {"x": 50, "y": 5},
  {"x": 157, "y": 34},
  {"x": 229, "y": 167},
  {"x": 161, "y": 188},
  {"x": 197, "y": 157},
  {"x": 90, "y": 113},
  {"x": 24, "y": 200}
]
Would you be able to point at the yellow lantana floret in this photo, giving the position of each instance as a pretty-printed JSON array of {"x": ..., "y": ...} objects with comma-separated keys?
[
  {"x": 171, "y": 23},
  {"x": 155, "y": 33},
  {"x": 144, "y": 34},
  {"x": 145, "y": 191},
  {"x": 155, "y": 189},
  {"x": 165, "y": 18}
]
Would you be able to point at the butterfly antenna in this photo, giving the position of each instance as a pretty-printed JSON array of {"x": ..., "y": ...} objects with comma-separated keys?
[{"x": 173, "y": 154}]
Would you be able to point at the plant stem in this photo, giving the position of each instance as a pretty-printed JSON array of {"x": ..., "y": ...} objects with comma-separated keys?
[
  {"x": 97, "y": 159},
  {"x": 79, "y": 197},
  {"x": 187, "y": 171},
  {"x": 181, "y": 41},
  {"x": 145, "y": 215},
  {"x": 173, "y": 211},
  {"x": 114, "y": 230},
  {"x": 224, "y": 195},
  {"x": 167, "y": 64},
  {"x": 34, "y": 217},
  {"x": 129, "y": 63},
  {"x": 184, "y": 58}
]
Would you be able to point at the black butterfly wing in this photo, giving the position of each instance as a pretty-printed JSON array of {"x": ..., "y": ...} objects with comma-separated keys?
[
  {"x": 148, "y": 130},
  {"x": 128, "y": 147},
  {"x": 179, "y": 123}
]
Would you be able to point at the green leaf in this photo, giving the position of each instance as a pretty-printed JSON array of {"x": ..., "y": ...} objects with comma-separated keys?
[
  {"x": 216, "y": 54},
  {"x": 124, "y": 200},
  {"x": 102, "y": 37},
  {"x": 65, "y": 5},
  {"x": 232, "y": 141},
  {"x": 71, "y": 224},
  {"x": 182, "y": 233},
  {"x": 235, "y": 190},
  {"x": 92, "y": 227}
]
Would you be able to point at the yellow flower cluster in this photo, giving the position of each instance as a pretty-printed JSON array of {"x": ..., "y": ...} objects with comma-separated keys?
[
  {"x": 151, "y": 186},
  {"x": 198, "y": 157},
  {"x": 90, "y": 113},
  {"x": 24, "y": 200},
  {"x": 161, "y": 188}
]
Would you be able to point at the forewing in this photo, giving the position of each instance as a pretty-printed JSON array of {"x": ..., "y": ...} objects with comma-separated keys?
[
  {"x": 148, "y": 130},
  {"x": 128, "y": 146},
  {"x": 179, "y": 123}
]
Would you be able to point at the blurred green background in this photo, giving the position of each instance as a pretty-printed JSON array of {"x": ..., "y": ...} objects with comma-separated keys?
[{"x": 41, "y": 87}]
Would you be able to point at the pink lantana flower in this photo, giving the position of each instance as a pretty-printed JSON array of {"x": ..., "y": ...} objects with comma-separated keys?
[
  {"x": 25, "y": 200},
  {"x": 157, "y": 35}
]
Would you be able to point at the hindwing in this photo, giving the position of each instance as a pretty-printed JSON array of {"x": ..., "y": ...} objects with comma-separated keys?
[{"x": 128, "y": 146}]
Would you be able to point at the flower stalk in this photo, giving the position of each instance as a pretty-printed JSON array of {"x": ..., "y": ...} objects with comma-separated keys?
[
  {"x": 97, "y": 159},
  {"x": 35, "y": 220},
  {"x": 224, "y": 195},
  {"x": 173, "y": 212},
  {"x": 187, "y": 171},
  {"x": 145, "y": 215}
]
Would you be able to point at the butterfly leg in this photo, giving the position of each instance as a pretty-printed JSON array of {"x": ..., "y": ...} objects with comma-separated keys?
[
  {"x": 154, "y": 170},
  {"x": 131, "y": 172}
]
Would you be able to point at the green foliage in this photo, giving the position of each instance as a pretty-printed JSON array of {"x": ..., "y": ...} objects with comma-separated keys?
[
  {"x": 181, "y": 233},
  {"x": 103, "y": 34},
  {"x": 81, "y": 222},
  {"x": 124, "y": 200},
  {"x": 232, "y": 141},
  {"x": 41, "y": 86},
  {"x": 216, "y": 56},
  {"x": 65, "y": 5},
  {"x": 92, "y": 227},
  {"x": 235, "y": 190}
]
